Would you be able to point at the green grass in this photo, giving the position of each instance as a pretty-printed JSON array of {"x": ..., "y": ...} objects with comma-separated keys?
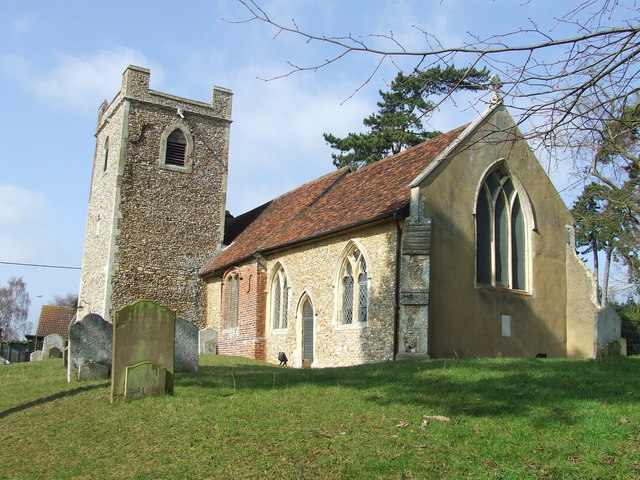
[{"x": 237, "y": 418}]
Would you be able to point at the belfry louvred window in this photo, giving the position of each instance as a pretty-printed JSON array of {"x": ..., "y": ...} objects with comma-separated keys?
[
  {"x": 500, "y": 234},
  {"x": 176, "y": 149}
]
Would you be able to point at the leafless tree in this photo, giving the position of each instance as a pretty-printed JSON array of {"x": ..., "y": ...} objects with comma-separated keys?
[
  {"x": 14, "y": 309},
  {"x": 575, "y": 93},
  {"x": 68, "y": 300},
  {"x": 564, "y": 85}
]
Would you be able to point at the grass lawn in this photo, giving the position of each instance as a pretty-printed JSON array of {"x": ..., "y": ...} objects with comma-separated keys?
[{"x": 237, "y": 418}]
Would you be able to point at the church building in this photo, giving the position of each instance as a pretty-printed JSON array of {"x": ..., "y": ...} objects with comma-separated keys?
[{"x": 457, "y": 247}]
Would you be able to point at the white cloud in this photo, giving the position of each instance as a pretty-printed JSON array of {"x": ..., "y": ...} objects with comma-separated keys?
[
  {"x": 21, "y": 206},
  {"x": 23, "y": 24},
  {"x": 276, "y": 139},
  {"x": 76, "y": 82}
]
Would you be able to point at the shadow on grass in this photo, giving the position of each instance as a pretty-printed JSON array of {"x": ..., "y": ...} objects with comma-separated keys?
[
  {"x": 48, "y": 398},
  {"x": 544, "y": 390}
]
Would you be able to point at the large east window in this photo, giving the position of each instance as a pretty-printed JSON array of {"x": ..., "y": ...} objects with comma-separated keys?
[{"x": 500, "y": 234}]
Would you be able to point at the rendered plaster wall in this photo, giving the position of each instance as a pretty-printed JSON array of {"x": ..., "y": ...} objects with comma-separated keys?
[
  {"x": 581, "y": 309},
  {"x": 312, "y": 271},
  {"x": 164, "y": 222},
  {"x": 465, "y": 318}
]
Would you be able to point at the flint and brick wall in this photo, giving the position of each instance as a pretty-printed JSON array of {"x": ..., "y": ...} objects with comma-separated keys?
[{"x": 312, "y": 270}]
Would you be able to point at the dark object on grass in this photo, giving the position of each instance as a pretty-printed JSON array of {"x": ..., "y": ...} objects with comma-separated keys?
[
  {"x": 282, "y": 358},
  {"x": 541, "y": 355}
]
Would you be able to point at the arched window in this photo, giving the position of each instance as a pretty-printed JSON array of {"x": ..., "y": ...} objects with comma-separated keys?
[
  {"x": 279, "y": 300},
  {"x": 106, "y": 154},
  {"x": 233, "y": 294},
  {"x": 354, "y": 289},
  {"x": 176, "y": 149},
  {"x": 500, "y": 233}
]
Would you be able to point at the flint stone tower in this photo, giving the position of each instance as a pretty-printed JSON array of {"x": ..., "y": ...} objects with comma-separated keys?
[{"x": 157, "y": 199}]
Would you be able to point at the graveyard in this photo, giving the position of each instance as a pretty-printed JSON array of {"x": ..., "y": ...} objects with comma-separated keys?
[{"x": 239, "y": 418}]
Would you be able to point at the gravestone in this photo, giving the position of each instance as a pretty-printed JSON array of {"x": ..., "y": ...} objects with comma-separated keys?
[
  {"x": 53, "y": 346},
  {"x": 208, "y": 341},
  {"x": 143, "y": 350},
  {"x": 35, "y": 356},
  {"x": 89, "y": 348},
  {"x": 186, "y": 349}
]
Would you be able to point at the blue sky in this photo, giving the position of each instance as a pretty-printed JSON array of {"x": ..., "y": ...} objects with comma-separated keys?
[{"x": 60, "y": 60}]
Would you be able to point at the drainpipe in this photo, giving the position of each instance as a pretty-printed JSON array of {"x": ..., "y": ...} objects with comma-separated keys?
[{"x": 396, "y": 295}]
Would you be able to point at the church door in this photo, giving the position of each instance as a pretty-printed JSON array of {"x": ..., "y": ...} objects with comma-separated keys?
[{"x": 307, "y": 333}]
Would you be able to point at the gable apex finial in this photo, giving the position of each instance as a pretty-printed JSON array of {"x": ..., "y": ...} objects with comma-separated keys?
[{"x": 496, "y": 86}]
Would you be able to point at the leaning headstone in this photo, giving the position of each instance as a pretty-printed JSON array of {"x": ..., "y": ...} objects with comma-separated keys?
[
  {"x": 208, "y": 341},
  {"x": 186, "y": 350},
  {"x": 89, "y": 348},
  {"x": 35, "y": 356},
  {"x": 53, "y": 346},
  {"x": 143, "y": 350}
]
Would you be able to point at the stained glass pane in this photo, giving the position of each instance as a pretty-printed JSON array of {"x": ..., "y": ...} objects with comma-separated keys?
[
  {"x": 502, "y": 241},
  {"x": 347, "y": 299},
  {"x": 277, "y": 297},
  {"x": 363, "y": 295},
  {"x": 483, "y": 240},
  {"x": 518, "y": 247}
]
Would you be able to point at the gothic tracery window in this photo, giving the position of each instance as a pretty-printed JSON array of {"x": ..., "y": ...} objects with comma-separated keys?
[
  {"x": 500, "y": 234},
  {"x": 279, "y": 300},
  {"x": 354, "y": 289}
]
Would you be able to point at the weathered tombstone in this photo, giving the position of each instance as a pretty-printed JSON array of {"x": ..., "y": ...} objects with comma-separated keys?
[
  {"x": 55, "y": 352},
  {"x": 612, "y": 349},
  {"x": 208, "y": 341},
  {"x": 143, "y": 350},
  {"x": 90, "y": 371},
  {"x": 35, "y": 356},
  {"x": 89, "y": 348},
  {"x": 53, "y": 346},
  {"x": 186, "y": 349}
]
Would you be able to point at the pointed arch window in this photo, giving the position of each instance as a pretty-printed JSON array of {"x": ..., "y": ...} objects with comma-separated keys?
[
  {"x": 176, "y": 149},
  {"x": 500, "y": 234},
  {"x": 279, "y": 300},
  {"x": 233, "y": 297},
  {"x": 354, "y": 289}
]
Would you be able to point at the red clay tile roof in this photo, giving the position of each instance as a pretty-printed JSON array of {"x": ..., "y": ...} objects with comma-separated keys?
[
  {"x": 54, "y": 319},
  {"x": 335, "y": 202}
]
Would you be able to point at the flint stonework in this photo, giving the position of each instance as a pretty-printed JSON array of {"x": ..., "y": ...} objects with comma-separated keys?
[
  {"x": 186, "y": 347},
  {"x": 90, "y": 342},
  {"x": 143, "y": 333}
]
